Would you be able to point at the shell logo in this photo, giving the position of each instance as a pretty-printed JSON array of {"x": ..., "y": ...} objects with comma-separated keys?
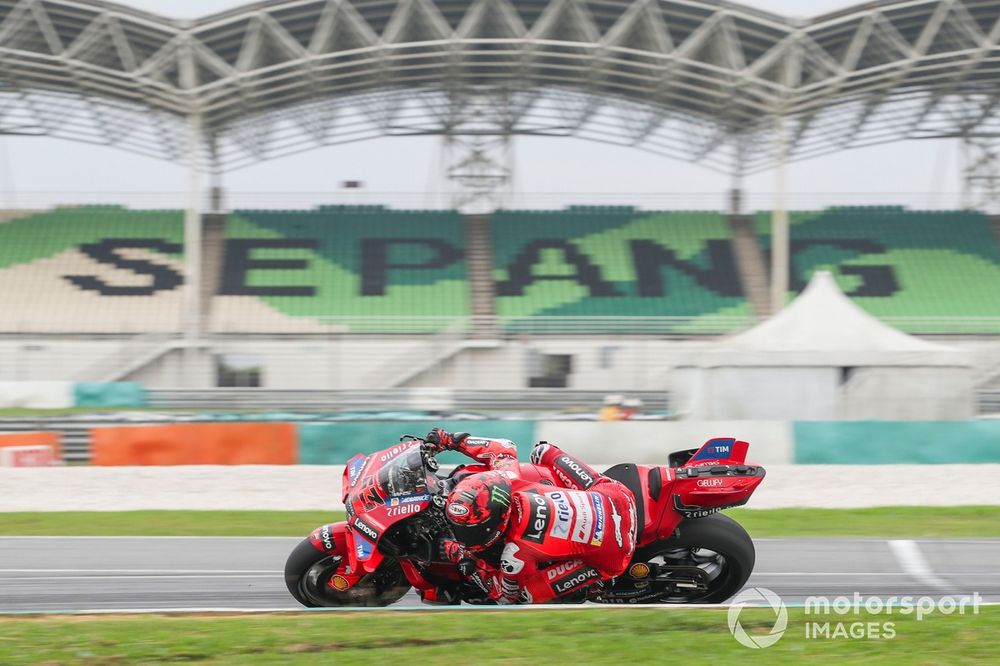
[
  {"x": 339, "y": 583},
  {"x": 639, "y": 570}
]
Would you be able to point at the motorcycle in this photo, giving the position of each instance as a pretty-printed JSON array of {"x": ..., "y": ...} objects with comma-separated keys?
[{"x": 687, "y": 552}]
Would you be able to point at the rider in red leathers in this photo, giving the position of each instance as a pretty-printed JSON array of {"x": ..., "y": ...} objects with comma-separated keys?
[{"x": 558, "y": 539}]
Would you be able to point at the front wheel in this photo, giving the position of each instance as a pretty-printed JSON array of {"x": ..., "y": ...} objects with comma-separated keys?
[
  {"x": 707, "y": 561},
  {"x": 308, "y": 571}
]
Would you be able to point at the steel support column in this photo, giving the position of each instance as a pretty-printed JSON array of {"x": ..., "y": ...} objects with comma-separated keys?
[
  {"x": 192, "y": 253},
  {"x": 779, "y": 221}
]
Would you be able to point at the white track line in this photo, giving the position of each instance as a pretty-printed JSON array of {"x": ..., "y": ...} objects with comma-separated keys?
[
  {"x": 148, "y": 538},
  {"x": 271, "y": 572},
  {"x": 144, "y": 577},
  {"x": 908, "y": 555}
]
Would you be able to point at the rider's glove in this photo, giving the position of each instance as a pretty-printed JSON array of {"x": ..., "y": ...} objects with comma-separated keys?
[
  {"x": 472, "y": 568},
  {"x": 538, "y": 452},
  {"x": 453, "y": 551},
  {"x": 443, "y": 440}
]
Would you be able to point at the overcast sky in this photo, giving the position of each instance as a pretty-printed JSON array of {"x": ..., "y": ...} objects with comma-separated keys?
[{"x": 914, "y": 170}]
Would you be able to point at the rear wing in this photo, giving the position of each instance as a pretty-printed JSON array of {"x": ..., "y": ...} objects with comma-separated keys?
[{"x": 716, "y": 451}]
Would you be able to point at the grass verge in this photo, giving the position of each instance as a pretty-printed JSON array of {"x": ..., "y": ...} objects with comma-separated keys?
[
  {"x": 910, "y": 522},
  {"x": 890, "y": 521},
  {"x": 579, "y": 636}
]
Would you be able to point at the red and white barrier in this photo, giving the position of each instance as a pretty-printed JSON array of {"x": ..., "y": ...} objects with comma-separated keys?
[{"x": 27, "y": 456}]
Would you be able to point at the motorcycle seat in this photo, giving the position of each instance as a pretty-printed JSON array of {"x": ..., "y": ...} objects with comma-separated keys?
[{"x": 628, "y": 475}]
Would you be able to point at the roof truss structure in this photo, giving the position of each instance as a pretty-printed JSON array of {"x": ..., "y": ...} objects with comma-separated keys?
[{"x": 699, "y": 80}]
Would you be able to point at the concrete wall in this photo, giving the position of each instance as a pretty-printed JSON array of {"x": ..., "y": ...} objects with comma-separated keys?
[
  {"x": 344, "y": 362},
  {"x": 317, "y": 487}
]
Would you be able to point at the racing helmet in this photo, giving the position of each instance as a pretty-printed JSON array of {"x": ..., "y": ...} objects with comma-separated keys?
[{"x": 478, "y": 509}]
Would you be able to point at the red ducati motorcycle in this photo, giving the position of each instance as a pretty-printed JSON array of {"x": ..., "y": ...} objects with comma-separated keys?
[{"x": 687, "y": 551}]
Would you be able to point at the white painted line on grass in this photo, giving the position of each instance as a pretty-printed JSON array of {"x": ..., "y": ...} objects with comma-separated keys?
[
  {"x": 908, "y": 555},
  {"x": 426, "y": 609}
]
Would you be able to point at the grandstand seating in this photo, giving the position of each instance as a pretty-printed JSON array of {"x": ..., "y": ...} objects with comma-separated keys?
[
  {"x": 923, "y": 271},
  {"x": 615, "y": 262},
  {"x": 106, "y": 269},
  {"x": 100, "y": 269},
  {"x": 342, "y": 268}
]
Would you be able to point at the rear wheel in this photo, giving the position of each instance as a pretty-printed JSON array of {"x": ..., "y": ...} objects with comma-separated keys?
[
  {"x": 309, "y": 570},
  {"x": 707, "y": 562}
]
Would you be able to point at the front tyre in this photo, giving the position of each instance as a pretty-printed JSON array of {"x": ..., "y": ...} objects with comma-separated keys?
[{"x": 308, "y": 571}]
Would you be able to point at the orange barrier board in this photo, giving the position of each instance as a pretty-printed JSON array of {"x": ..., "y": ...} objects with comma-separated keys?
[
  {"x": 33, "y": 439},
  {"x": 195, "y": 444}
]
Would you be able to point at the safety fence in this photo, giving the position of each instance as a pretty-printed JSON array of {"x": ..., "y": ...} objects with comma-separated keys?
[{"x": 331, "y": 443}]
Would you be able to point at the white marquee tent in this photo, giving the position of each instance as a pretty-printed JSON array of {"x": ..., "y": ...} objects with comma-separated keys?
[{"x": 822, "y": 358}]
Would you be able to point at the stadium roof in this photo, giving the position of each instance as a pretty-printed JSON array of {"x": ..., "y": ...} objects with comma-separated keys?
[{"x": 700, "y": 80}]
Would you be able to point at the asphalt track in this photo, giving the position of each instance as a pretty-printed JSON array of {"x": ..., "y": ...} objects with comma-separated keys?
[{"x": 184, "y": 573}]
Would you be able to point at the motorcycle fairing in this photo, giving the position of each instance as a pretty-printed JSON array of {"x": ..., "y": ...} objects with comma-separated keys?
[
  {"x": 352, "y": 471},
  {"x": 389, "y": 487}
]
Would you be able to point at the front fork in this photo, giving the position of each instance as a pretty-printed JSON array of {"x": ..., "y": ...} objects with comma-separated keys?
[{"x": 336, "y": 539}]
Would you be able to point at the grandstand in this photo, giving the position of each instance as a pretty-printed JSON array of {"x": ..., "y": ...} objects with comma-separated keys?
[
  {"x": 923, "y": 271},
  {"x": 590, "y": 270},
  {"x": 587, "y": 298}
]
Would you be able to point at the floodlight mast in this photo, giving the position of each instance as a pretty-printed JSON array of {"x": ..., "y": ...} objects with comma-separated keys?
[
  {"x": 981, "y": 173},
  {"x": 779, "y": 221},
  {"x": 479, "y": 171},
  {"x": 193, "y": 324}
]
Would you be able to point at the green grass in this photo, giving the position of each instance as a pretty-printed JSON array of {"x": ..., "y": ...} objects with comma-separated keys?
[
  {"x": 891, "y": 521},
  {"x": 165, "y": 523},
  {"x": 577, "y": 636},
  {"x": 965, "y": 521}
]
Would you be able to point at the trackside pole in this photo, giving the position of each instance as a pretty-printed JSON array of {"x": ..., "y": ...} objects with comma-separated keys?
[{"x": 779, "y": 222}]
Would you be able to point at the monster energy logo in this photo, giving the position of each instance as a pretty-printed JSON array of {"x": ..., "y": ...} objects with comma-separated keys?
[{"x": 500, "y": 496}]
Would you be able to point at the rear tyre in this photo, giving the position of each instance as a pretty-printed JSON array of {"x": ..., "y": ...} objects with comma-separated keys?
[
  {"x": 308, "y": 571},
  {"x": 717, "y": 546}
]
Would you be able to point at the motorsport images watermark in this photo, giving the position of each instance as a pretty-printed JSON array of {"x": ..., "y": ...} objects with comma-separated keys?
[{"x": 825, "y": 607}]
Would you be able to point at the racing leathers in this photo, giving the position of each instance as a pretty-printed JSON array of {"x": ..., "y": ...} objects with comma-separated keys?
[{"x": 564, "y": 534}]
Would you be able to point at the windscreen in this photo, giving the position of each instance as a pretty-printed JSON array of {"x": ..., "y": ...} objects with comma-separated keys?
[{"x": 404, "y": 475}]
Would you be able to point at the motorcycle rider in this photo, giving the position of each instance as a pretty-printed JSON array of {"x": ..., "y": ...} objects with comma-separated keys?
[{"x": 557, "y": 539}]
